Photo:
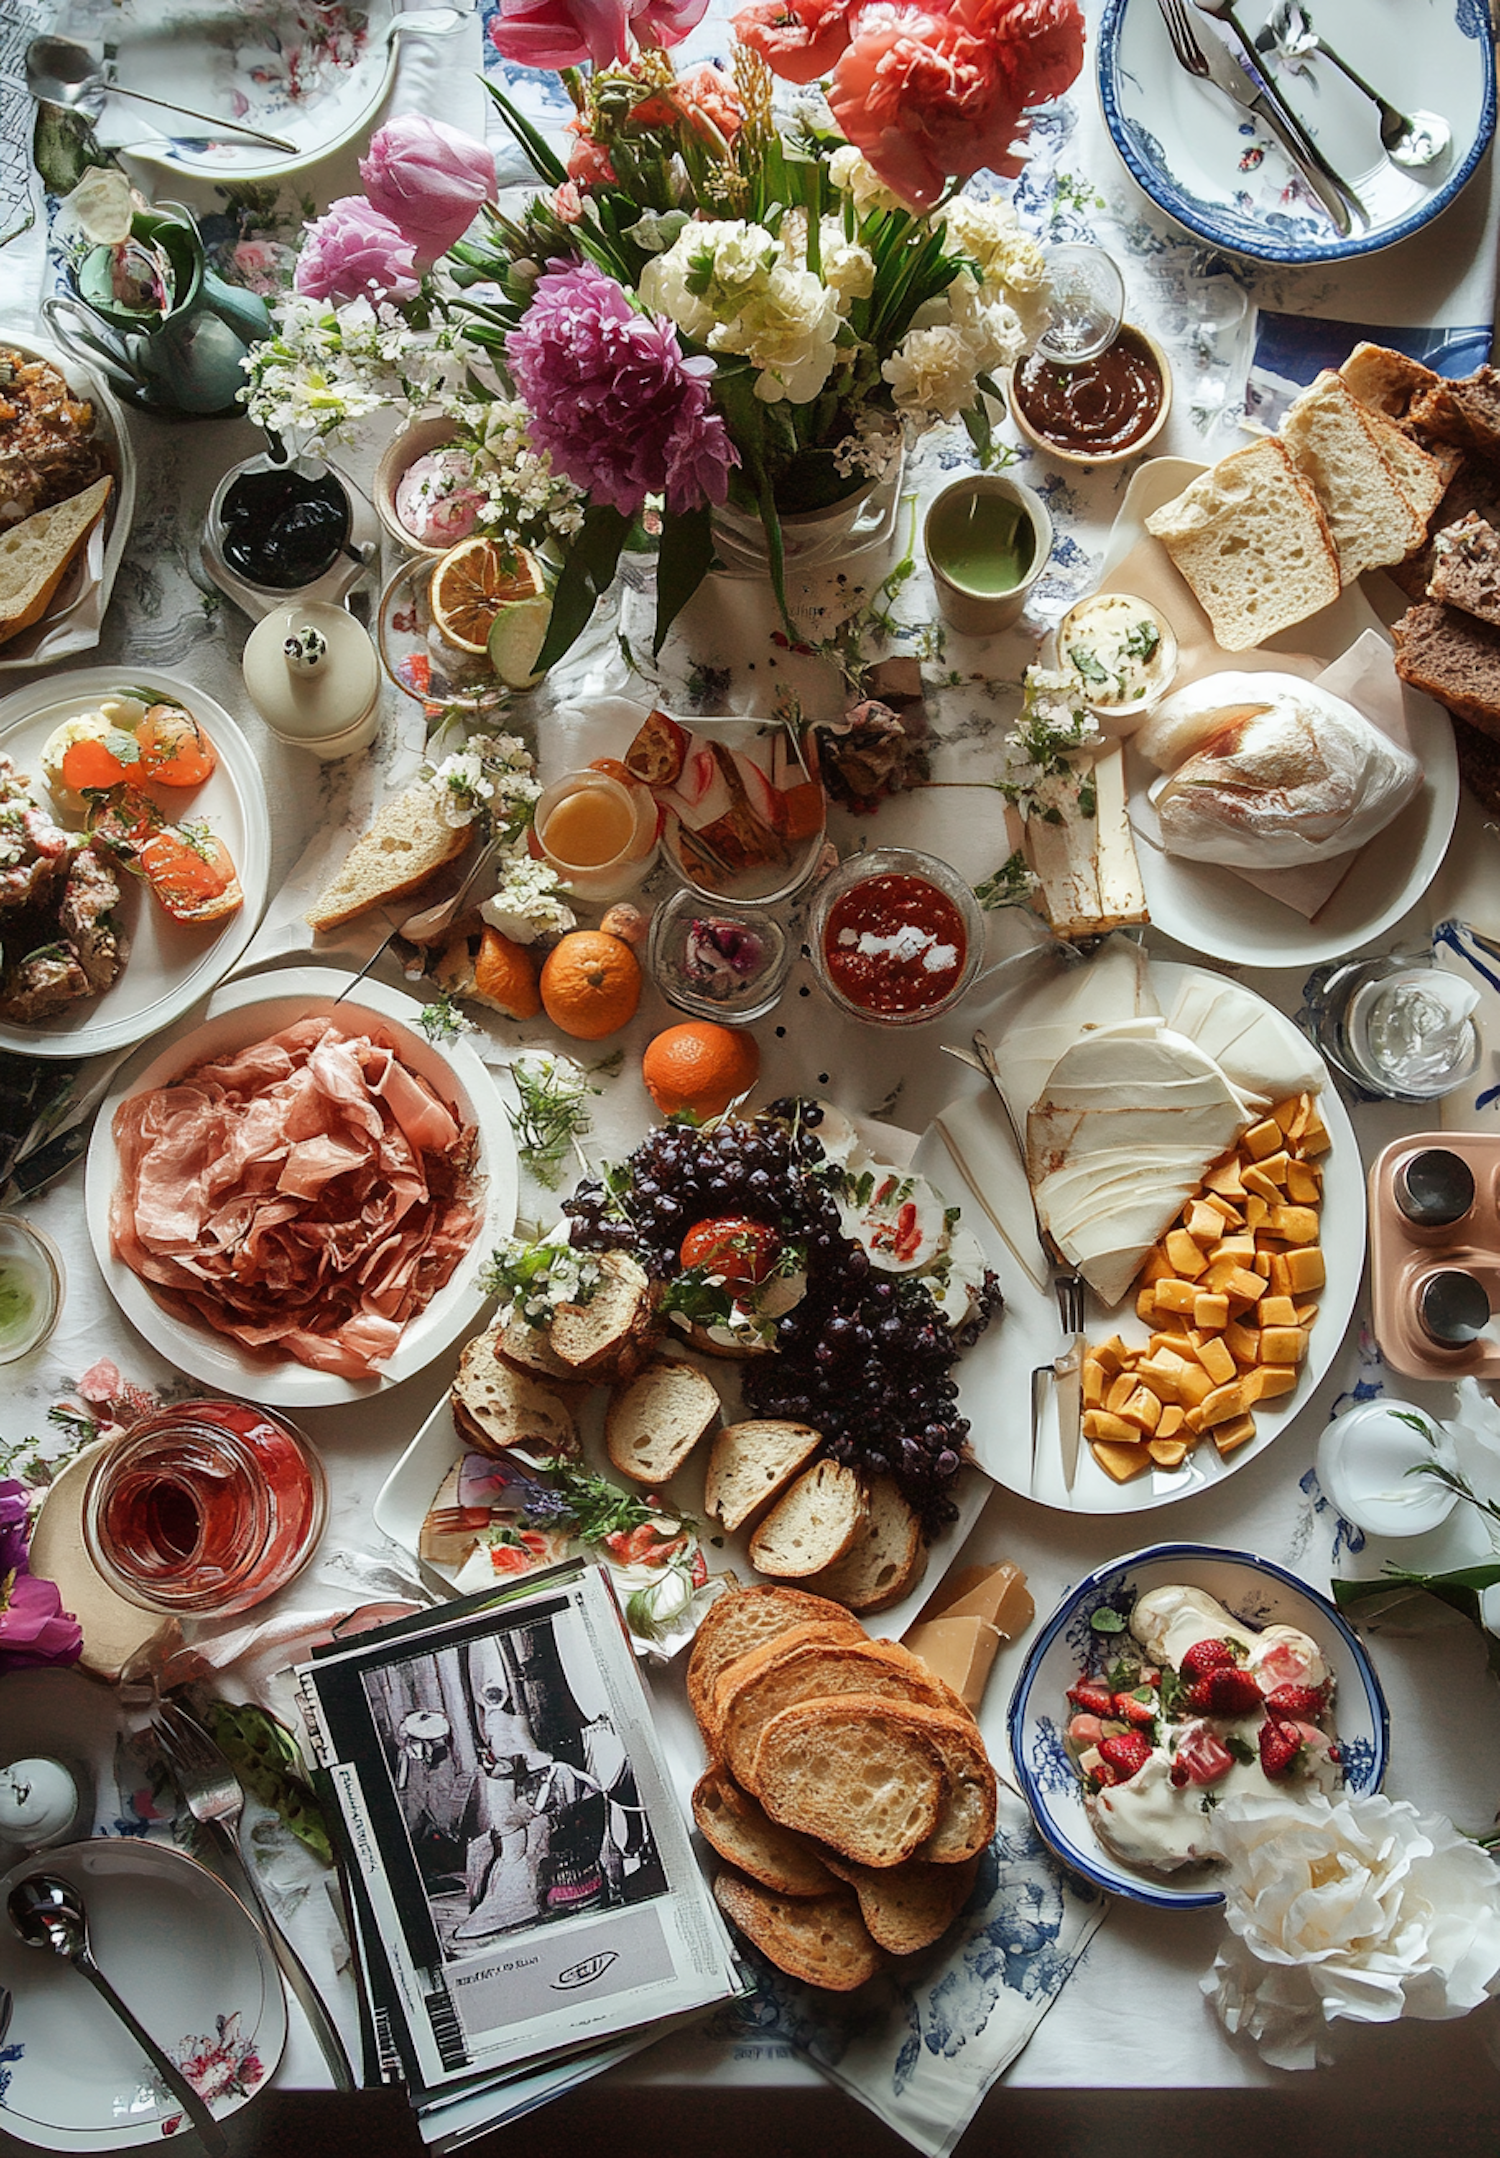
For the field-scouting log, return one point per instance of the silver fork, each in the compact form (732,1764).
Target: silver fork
(215,1797)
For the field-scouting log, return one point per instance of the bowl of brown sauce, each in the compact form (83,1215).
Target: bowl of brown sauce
(1099,412)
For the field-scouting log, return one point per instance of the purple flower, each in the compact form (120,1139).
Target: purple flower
(428,179)
(354,253)
(34,1629)
(611,394)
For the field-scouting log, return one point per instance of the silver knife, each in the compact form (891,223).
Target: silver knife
(1251,92)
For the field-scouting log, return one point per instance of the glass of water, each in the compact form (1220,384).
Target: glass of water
(1399,1027)
(1086,295)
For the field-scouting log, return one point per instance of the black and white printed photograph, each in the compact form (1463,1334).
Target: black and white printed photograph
(514,1784)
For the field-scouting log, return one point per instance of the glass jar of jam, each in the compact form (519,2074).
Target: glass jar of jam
(897,936)
(204,1509)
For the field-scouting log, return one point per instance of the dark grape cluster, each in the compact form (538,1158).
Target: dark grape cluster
(866,1359)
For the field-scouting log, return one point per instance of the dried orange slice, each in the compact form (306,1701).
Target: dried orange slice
(473,582)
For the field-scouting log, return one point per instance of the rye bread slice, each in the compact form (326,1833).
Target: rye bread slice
(608,1337)
(496,1406)
(1466,567)
(907,1908)
(739,1830)
(860,1773)
(653,1424)
(751,1464)
(758,1688)
(820,1939)
(739,1622)
(886,1559)
(1453,657)
(812,1524)
(1479,764)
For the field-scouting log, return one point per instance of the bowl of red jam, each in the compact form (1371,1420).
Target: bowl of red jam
(1099,412)
(896,937)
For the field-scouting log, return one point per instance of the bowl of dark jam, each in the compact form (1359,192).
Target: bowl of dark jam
(1100,411)
(280,527)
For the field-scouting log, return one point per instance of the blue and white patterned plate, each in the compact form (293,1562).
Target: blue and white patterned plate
(1214,168)
(1251,1589)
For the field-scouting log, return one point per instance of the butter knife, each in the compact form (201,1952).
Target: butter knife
(1255,96)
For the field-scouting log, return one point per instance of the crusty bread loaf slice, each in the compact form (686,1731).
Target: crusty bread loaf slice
(820,1939)
(1466,567)
(653,1424)
(1333,445)
(740,1621)
(739,1830)
(1454,657)
(607,1338)
(886,1559)
(497,1406)
(1465,411)
(528,1347)
(812,1523)
(1420,476)
(758,1687)
(816,1632)
(907,1908)
(859,1772)
(408,842)
(1388,382)
(751,1463)
(37,552)
(1251,540)
(971,1795)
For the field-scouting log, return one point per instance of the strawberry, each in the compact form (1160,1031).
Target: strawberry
(1303,1704)
(1201,1757)
(1280,1746)
(1093,1696)
(1128,1754)
(1140,1713)
(1102,1776)
(1227,1690)
(1206,1656)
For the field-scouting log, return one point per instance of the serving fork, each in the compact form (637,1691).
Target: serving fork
(215,1796)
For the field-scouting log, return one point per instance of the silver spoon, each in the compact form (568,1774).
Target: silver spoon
(1413,140)
(61,71)
(48,1912)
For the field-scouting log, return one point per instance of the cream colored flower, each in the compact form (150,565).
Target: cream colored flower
(931,373)
(987,232)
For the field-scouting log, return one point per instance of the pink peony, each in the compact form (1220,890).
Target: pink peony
(34,1628)
(353,253)
(429,180)
(565,33)
(704,100)
(799,40)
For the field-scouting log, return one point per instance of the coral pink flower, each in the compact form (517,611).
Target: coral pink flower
(565,33)
(567,203)
(353,253)
(799,40)
(707,94)
(588,161)
(429,180)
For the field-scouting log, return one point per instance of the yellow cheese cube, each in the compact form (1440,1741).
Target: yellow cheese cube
(1145,1305)
(1222,1404)
(1185,1255)
(1260,1186)
(1167,1453)
(1110,1355)
(1119,1391)
(1256,1211)
(1276,1311)
(1304,1270)
(1216,1280)
(1196,1384)
(1192,1420)
(1239,1246)
(1093,1383)
(1305,1313)
(1143,1409)
(1276,1379)
(1261,1264)
(1217,1361)
(1173,1337)
(1210,1312)
(1262,1139)
(1171,1421)
(1204,1223)
(1295,1224)
(1292,1111)
(1224,1178)
(1174,1295)
(1228,1436)
(1313,1138)
(1224,1208)
(1154,1267)
(1099,1424)
(1282,1344)
(1242,1342)
(1303,1183)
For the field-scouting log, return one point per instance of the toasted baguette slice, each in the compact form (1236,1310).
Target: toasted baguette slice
(497,1407)
(607,1338)
(408,842)
(775,1677)
(812,1524)
(820,1939)
(886,1559)
(751,1464)
(738,1829)
(1333,445)
(653,1424)
(742,1620)
(528,1348)
(908,1907)
(860,1773)
(814,1632)
(966,1818)
(1251,540)
(37,552)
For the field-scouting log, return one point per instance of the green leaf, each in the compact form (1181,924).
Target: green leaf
(977,426)
(1107,1620)
(687,549)
(587,573)
(544,161)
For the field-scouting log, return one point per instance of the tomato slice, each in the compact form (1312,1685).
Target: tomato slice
(174,749)
(92,763)
(734,1247)
(187,874)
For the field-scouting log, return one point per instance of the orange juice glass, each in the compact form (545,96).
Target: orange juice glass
(597,832)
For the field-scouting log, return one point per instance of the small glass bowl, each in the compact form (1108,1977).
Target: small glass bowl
(736,998)
(416,655)
(1161,673)
(32,1283)
(897,862)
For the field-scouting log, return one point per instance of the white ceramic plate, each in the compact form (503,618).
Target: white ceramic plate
(1210,909)
(311,74)
(193,1965)
(119,512)
(246,1012)
(1212,165)
(1250,1588)
(171,964)
(994,1378)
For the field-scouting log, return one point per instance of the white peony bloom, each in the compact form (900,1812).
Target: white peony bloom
(1348,1907)
(851,175)
(931,373)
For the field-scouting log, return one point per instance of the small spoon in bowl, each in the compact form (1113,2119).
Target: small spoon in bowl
(1413,140)
(62,71)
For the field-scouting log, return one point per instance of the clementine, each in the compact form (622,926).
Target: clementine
(505,976)
(700,1066)
(591,985)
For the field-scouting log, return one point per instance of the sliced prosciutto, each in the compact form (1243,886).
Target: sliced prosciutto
(308,1195)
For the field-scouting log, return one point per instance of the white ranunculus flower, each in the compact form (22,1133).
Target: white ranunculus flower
(931,373)
(1348,1907)
(851,175)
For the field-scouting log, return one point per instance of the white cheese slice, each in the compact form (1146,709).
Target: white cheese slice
(1036,1025)
(1259,1051)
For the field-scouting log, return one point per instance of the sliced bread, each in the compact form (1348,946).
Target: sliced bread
(529,1348)
(1251,540)
(607,1338)
(1387,382)
(739,1830)
(744,1619)
(1454,657)
(1420,476)
(653,1424)
(1334,446)
(812,1524)
(860,1773)
(971,1796)
(1465,411)
(37,552)
(758,1688)
(906,1908)
(820,1939)
(498,1407)
(886,1559)
(751,1463)
(1466,568)
(408,842)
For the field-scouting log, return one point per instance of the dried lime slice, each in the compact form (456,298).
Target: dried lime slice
(516,637)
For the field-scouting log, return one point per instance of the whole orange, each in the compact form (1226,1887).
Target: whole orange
(700,1066)
(591,985)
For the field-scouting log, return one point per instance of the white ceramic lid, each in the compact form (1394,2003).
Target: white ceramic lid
(311,702)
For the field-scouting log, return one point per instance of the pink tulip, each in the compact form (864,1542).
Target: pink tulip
(565,33)
(429,180)
(353,253)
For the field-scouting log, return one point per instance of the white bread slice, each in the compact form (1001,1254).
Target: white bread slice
(607,1337)
(908,1907)
(653,1424)
(37,553)
(859,1772)
(758,1688)
(1421,478)
(812,1524)
(737,1827)
(1386,381)
(1251,540)
(408,842)
(498,1407)
(1333,445)
(820,1939)
(886,1559)
(743,1620)
(751,1463)
(971,1795)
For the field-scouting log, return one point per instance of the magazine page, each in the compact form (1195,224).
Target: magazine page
(512,1831)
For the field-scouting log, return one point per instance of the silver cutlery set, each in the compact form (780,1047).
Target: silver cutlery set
(1414,140)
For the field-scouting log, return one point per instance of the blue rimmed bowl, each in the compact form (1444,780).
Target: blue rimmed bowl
(1253,1590)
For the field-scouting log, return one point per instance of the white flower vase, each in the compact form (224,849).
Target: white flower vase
(812,539)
